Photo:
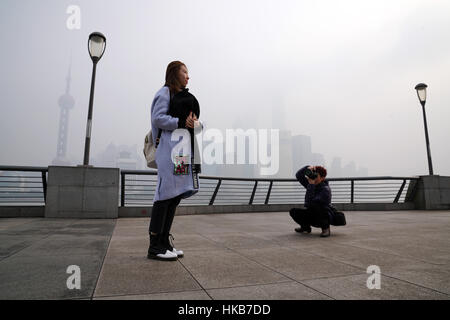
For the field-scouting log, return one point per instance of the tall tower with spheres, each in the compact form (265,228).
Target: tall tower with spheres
(65,102)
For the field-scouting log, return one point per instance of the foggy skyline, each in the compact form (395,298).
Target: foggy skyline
(344,74)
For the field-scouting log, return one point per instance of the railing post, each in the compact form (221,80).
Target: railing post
(253,193)
(352,191)
(400,192)
(122,189)
(268,192)
(44,185)
(215,192)
(410,193)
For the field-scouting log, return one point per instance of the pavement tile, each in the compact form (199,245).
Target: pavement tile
(38,226)
(87,227)
(241,240)
(231,256)
(64,245)
(359,257)
(355,288)
(196,242)
(13,243)
(224,268)
(132,274)
(291,238)
(435,277)
(45,277)
(279,291)
(6,223)
(406,248)
(183,295)
(298,264)
(131,231)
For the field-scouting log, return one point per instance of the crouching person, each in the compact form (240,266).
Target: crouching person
(318,211)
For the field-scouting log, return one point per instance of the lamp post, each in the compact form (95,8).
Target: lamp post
(422,95)
(96,47)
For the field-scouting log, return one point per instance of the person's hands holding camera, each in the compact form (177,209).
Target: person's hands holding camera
(313,181)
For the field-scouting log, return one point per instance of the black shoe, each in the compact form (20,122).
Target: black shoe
(325,233)
(303,230)
(159,252)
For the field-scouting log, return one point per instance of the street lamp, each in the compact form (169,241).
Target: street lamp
(96,47)
(422,95)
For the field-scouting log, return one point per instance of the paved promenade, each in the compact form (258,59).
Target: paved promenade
(229,256)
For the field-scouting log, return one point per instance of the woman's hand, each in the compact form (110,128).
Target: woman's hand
(190,120)
(196,122)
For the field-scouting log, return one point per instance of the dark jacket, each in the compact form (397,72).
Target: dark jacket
(316,195)
(181,105)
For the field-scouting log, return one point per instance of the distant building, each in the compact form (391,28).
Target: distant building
(335,169)
(317,159)
(294,153)
(125,161)
(286,150)
(301,151)
(234,169)
(122,156)
(65,102)
(349,170)
(286,158)
(363,172)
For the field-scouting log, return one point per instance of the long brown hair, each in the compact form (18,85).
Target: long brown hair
(172,80)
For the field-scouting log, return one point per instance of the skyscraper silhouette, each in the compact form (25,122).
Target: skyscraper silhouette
(65,102)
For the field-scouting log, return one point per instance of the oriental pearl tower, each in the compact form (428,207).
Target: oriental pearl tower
(65,102)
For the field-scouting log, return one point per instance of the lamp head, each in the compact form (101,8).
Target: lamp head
(96,46)
(422,92)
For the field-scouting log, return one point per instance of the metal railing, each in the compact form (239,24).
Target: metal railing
(23,185)
(28,186)
(138,187)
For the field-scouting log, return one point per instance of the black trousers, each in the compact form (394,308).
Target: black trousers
(316,216)
(163,213)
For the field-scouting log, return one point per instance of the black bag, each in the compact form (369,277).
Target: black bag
(338,218)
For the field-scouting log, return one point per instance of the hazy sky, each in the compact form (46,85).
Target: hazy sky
(343,71)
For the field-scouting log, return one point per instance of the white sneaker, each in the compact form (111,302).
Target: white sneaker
(167,256)
(179,253)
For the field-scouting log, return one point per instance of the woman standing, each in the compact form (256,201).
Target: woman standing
(176,180)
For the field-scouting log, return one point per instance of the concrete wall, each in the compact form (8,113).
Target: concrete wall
(39,211)
(22,212)
(431,193)
(190,210)
(82,192)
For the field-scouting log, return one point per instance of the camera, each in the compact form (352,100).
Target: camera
(312,174)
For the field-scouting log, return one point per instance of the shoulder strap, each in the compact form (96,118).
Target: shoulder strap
(159,129)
